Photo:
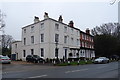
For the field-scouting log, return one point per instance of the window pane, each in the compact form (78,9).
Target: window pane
(42,52)
(56,26)
(32,39)
(32,51)
(24,41)
(56,52)
(32,28)
(42,25)
(42,37)
(65,39)
(24,53)
(65,29)
(56,37)
(24,30)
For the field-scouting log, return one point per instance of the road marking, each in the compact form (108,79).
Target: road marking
(38,76)
(76,70)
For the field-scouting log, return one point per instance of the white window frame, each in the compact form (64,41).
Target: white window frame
(32,39)
(65,29)
(42,37)
(56,37)
(42,25)
(42,52)
(57,26)
(32,28)
(24,30)
(65,39)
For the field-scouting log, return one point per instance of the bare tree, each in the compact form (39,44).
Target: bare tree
(108,28)
(6,41)
(2,25)
(6,44)
(117,31)
(2,22)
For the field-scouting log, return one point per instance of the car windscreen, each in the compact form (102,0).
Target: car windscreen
(102,58)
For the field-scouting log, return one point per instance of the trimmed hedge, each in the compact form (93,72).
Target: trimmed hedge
(75,63)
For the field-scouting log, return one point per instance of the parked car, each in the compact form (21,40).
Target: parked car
(5,59)
(101,60)
(34,59)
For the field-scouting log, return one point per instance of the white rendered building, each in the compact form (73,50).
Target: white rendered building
(50,39)
(17,50)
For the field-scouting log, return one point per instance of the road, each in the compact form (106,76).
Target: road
(109,70)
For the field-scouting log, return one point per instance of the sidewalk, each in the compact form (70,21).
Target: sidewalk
(20,62)
(24,62)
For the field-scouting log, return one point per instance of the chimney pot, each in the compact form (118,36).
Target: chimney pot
(71,24)
(36,19)
(60,18)
(46,15)
(87,31)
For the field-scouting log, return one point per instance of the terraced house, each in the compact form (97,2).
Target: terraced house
(50,38)
(86,44)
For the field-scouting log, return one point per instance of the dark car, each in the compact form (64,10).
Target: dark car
(34,59)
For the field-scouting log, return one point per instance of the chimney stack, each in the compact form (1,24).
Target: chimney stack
(36,19)
(87,31)
(46,15)
(71,24)
(60,19)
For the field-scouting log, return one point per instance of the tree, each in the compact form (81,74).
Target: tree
(108,28)
(2,25)
(6,44)
(105,45)
(2,22)
(107,39)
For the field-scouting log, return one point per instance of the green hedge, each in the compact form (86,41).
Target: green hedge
(75,63)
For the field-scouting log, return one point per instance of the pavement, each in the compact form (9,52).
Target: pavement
(20,62)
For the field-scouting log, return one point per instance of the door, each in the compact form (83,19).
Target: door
(65,53)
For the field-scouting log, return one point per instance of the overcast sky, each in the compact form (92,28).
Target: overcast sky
(84,14)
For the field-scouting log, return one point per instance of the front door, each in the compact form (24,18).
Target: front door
(65,53)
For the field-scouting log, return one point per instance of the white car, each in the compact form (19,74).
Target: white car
(101,60)
(5,59)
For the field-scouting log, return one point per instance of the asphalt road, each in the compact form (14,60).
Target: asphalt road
(32,71)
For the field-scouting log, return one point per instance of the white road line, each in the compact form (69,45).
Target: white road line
(76,70)
(38,76)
